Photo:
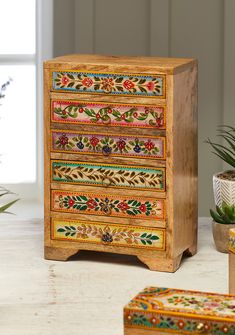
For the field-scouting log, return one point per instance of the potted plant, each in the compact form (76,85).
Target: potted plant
(223,220)
(224,182)
(4,191)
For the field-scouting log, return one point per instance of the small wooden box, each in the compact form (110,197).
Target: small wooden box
(171,311)
(232,261)
(121,157)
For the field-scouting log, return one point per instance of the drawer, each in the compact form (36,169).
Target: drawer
(108,205)
(108,114)
(108,234)
(113,145)
(109,83)
(108,175)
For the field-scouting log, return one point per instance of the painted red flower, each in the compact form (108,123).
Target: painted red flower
(110,110)
(128,84)
(159,121)
(149,145)
(123,206)
(121,144)
(143,208)
(71,202)
(135,114)
(94,141)
(91,204)
(81,110)
(154,320)
(181,324)
(225,329)
(98,116)
(150,86)
(64,80)
(87,82)
(63,139)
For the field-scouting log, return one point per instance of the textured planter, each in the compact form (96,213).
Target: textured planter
(221,235)
(224,189)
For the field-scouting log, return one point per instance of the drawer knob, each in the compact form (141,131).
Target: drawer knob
(107,181)
(107,238)
(106,150)
(202,328)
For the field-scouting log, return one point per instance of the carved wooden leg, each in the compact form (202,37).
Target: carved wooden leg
(191,251)
(232,273)
(157,264)
(59,254)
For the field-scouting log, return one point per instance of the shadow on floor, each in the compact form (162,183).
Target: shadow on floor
(105,257)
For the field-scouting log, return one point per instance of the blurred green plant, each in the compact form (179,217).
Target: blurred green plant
(224,215)
(227,151)
(4,191)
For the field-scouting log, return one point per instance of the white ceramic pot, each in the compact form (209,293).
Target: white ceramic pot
(224,190)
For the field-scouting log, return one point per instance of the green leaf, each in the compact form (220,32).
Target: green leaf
(70,76)
(5,207)
(61,230)
(154,238)
(143,235)
(216,217)
(83,208)
(130,212)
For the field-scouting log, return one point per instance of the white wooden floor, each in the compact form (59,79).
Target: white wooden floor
(84,296)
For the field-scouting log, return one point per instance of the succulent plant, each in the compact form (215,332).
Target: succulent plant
(227,151)
(224,215)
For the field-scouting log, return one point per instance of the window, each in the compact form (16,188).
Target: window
(26,40)
(18,110)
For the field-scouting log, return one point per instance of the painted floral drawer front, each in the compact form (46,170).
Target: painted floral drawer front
(108,234)
(108,175)
(181,311)
(81,112)
(103,204)
(111,83)
(108,145)
(232,240)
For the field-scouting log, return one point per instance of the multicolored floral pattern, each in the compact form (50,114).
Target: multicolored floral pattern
(118,84)
(152,308)
(103,144)
(177,324)
(109,175)
(80,112)
(232,240)
(96,204)
(109,234)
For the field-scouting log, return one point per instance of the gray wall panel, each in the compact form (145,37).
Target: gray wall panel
(177,28)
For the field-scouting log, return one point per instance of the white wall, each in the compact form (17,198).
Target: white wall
(177,28)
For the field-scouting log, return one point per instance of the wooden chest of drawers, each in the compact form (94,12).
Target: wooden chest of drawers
(121,157)
(158,310)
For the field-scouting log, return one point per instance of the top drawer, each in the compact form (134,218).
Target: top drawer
(109,83)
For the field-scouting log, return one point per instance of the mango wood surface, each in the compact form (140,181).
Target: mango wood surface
(124,64)
(180,163)
(231,273)
(182,169)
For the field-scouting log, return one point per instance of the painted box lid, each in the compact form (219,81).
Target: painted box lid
(232,240)
(180,312)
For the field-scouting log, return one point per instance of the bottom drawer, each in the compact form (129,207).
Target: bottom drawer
(109,234)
